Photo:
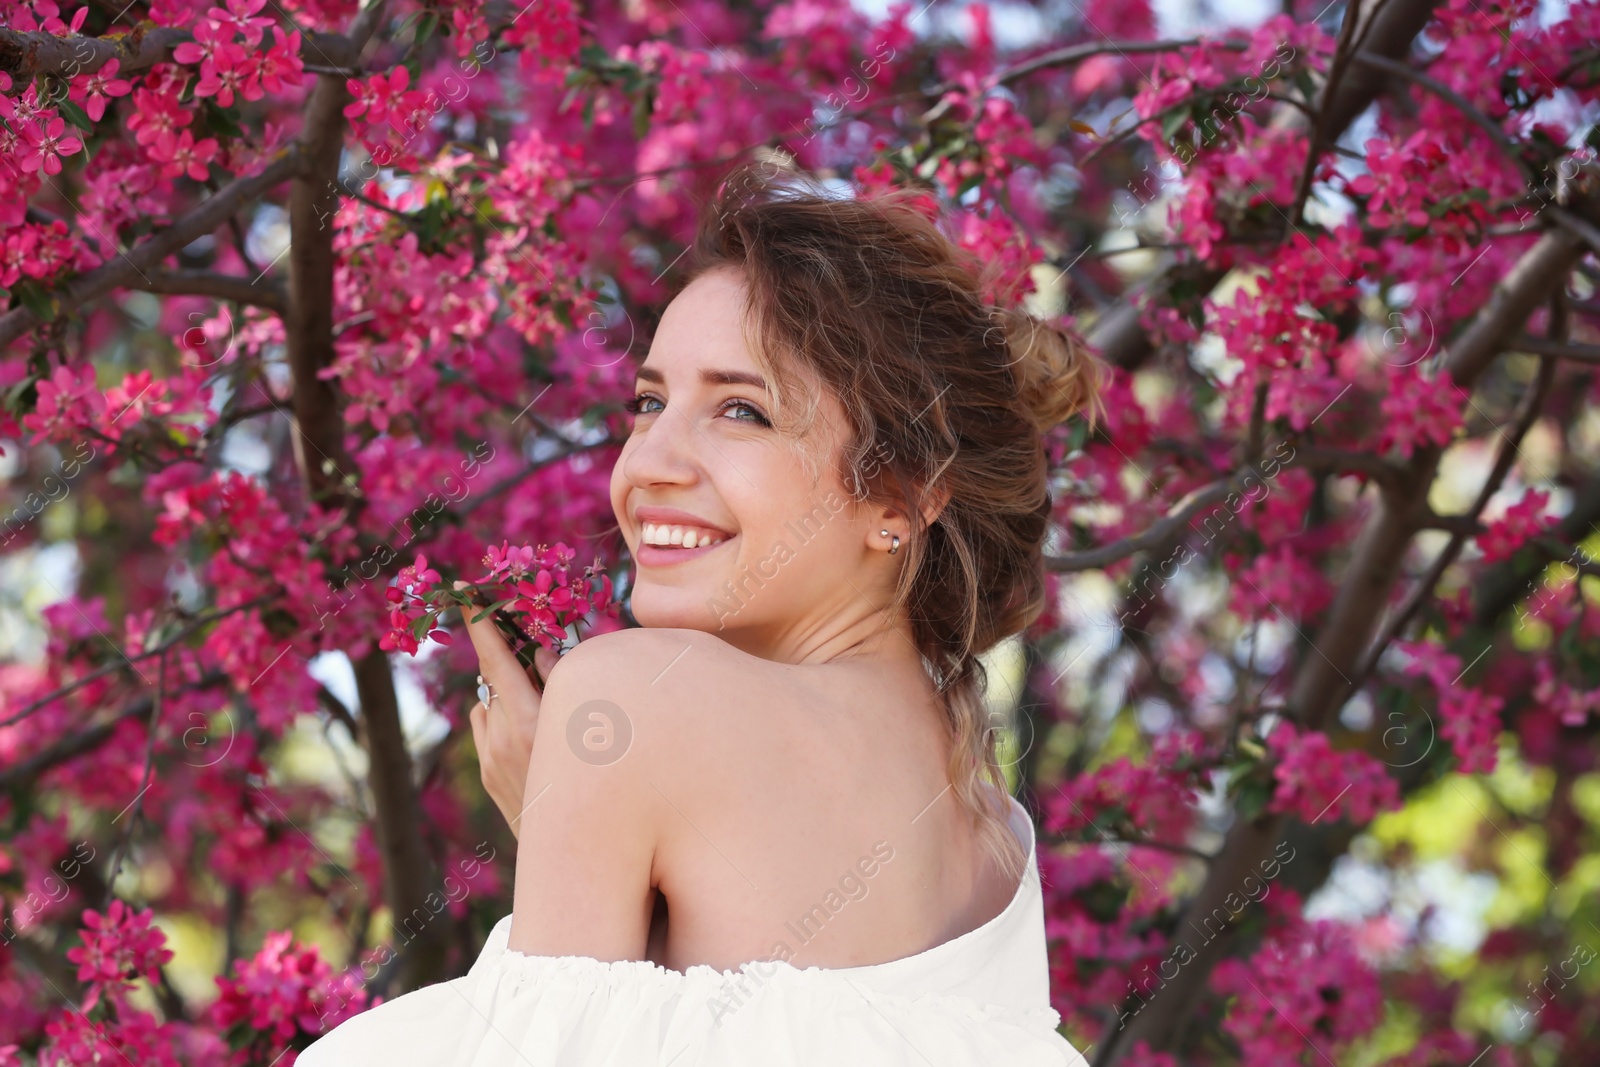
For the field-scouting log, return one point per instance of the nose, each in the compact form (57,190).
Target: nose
(664,453)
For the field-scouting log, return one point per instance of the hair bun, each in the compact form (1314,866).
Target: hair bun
(1056,373)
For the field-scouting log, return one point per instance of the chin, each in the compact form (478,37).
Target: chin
(677,607)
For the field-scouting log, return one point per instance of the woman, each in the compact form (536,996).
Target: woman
(767,825)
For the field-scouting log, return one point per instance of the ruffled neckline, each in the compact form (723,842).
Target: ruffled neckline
(1020,824)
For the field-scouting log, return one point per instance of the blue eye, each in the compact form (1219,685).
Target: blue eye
(634,404)
(760,419)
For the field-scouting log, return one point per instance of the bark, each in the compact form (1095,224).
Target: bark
(328,474)
(220,286)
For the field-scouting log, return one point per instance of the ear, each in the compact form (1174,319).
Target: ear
(894,517)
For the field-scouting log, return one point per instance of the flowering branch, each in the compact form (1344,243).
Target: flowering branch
(1489,126)
(122,270)
(1321,683)
(26,56)
(1158,534)
(1528,412)
(128,661)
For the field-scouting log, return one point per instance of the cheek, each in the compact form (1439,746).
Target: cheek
(619,489)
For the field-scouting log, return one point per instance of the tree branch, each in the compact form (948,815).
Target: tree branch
(335,707)
(210,283)
(1157,534)
(22,775)
(1496,133)
(1532,404)
(1118,335)
(128,661)
(1582,227)
(138,264)
(1544,346)
(328,474)
(26,56)
(1320,685)
(1336,69)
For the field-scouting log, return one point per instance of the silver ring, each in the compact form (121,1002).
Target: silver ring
(485,692)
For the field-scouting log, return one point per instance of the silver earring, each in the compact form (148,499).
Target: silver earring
(896,546)
(485,691)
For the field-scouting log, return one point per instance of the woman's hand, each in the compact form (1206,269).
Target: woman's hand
(503,732)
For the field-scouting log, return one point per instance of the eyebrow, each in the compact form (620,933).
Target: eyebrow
(709,377)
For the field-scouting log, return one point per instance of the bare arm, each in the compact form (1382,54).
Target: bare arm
(589,825)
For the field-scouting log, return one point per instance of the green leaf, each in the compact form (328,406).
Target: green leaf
(1303,82)
(224,121)
(40,301)
(1254,796)
(1173,121)
(75,115)
(492,608)
(425,27)
(1104,900)
(642,107)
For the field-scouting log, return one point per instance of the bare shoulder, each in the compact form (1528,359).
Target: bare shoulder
(673,690)
(626,660)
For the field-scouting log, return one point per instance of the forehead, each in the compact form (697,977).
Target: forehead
(709,309)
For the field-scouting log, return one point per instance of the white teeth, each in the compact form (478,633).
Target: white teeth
(684,536)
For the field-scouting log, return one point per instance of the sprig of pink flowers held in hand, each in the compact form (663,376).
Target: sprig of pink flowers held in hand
(533,594)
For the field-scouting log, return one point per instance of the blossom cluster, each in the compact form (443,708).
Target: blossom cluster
(536,587)
(1314,782)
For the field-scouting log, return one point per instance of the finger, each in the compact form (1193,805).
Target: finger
(477,716)
(544,661)
(493,652)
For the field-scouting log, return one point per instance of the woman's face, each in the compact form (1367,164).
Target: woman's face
(784,563)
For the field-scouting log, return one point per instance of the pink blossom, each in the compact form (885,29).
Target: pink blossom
(68,399)
(156,117)
(93,91)
(119,945)
(184,156)
(208,38)
(1314,782)
(1306,983)
(376,96)
(1419,410)
(1522,521)
(46,144)
(285,992)
(239,16)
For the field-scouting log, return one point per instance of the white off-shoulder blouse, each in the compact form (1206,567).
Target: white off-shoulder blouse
(978,1000)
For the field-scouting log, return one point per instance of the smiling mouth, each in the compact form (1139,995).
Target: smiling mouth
(666,536)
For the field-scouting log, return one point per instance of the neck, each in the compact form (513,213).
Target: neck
(875,637)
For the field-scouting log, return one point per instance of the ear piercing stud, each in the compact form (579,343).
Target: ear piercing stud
(895,547)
